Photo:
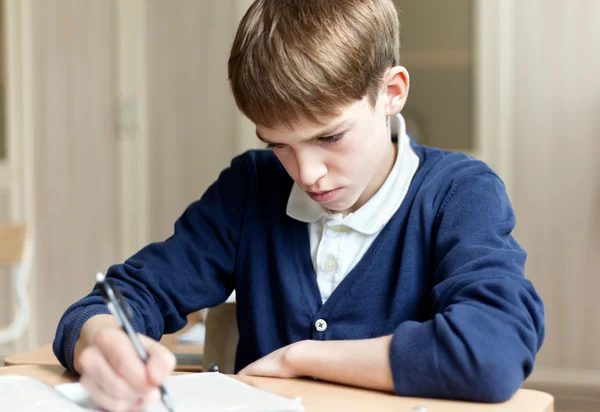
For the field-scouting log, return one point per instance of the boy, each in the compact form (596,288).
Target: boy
(357,255)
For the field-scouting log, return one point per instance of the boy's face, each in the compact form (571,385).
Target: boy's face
(341,165)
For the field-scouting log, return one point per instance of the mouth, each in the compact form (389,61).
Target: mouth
(324,196)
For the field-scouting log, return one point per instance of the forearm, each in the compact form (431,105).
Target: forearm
(363,363)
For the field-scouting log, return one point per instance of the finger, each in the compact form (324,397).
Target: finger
(101,399)
(95,369)
(151,398)
(120,353)
(161,361)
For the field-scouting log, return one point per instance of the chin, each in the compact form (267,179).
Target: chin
(339,206)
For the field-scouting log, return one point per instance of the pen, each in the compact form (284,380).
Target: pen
(119,308)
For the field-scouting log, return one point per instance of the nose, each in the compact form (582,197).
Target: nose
(310,168)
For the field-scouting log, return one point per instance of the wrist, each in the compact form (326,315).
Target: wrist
(298,356)
(88,333)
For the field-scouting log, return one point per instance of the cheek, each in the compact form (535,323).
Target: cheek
(361,160)
(347,162)
(359,155)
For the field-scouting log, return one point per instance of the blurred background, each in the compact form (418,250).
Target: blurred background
(116,114)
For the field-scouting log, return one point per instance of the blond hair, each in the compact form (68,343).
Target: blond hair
(294,59)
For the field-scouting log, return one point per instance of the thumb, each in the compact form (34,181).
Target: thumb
(161,362)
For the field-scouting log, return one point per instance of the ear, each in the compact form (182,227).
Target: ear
(396,84)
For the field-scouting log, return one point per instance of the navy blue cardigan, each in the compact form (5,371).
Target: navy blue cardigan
(444,277)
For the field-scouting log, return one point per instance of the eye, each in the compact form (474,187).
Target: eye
(274,146)
(332,139)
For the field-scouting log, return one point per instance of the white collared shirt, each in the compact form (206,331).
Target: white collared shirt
(337,243)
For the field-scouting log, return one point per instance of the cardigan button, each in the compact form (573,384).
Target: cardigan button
(320,325)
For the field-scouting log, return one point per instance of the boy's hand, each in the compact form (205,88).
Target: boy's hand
(279,364)
(112,372)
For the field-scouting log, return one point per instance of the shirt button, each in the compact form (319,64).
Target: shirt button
(330,265)
(320,325)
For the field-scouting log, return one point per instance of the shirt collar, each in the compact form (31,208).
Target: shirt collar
(377,211)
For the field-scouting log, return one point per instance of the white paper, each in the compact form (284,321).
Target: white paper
(24,394)
(207,392)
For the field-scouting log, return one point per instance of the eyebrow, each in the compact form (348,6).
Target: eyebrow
(329,131)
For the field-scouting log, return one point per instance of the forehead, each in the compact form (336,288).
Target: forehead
(304,129)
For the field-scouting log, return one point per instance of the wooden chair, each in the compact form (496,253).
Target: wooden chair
(221,338)
(16,251)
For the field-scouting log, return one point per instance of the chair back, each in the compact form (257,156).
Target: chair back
(221,339)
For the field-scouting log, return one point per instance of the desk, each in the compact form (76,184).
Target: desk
(45,356)
(321,397)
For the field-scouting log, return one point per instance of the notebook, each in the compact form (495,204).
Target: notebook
(209,392)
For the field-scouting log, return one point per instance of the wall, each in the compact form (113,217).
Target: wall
(79,165)
(556,184)
(6,299)
(73,143)
(555,181)
(192,115)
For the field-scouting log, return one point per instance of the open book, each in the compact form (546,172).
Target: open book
(208,392)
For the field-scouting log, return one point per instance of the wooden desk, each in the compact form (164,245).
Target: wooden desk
(44,355)
(39,356)
(319,396)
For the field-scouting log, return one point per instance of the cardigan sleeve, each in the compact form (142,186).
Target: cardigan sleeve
(487,321)
(165,281)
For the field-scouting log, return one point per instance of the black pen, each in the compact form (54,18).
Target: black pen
(119,308)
